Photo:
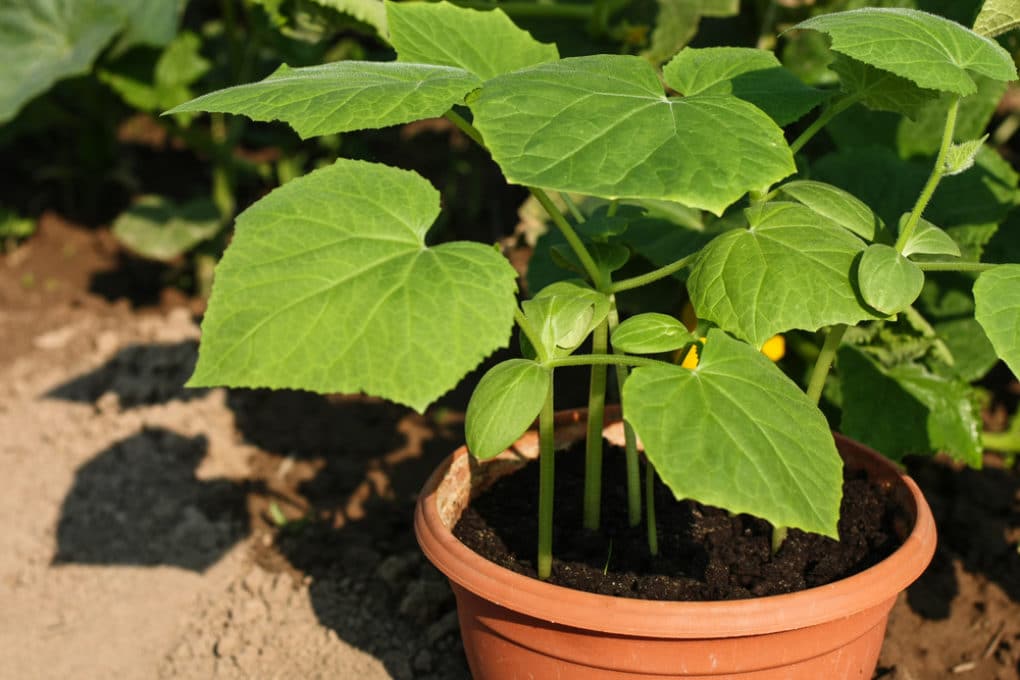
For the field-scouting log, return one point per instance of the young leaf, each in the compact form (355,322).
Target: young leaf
(737,433)
(832,203)
(650,333)
(505,403)
(343,96)
(753,75)
(705,151)
(929,240)
(44,41)
(997,299)
(889,282)
(961,156)
(157,228)
(565,313)
(919,412)
(485,43)
(744,280)
(932,51)
(180,65)
(881,90)
(334,264)
(997,17)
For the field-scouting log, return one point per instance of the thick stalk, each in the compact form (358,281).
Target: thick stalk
(575,212)
(630,439)
(593,443)
(955,266)
(653,530)
(933,180)
(546,484)
(607,359)
(824,362)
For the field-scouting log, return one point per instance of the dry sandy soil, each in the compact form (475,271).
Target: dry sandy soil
(156,532)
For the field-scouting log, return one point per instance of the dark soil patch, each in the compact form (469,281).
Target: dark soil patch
(705,553)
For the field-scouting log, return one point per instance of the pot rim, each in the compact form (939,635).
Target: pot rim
(870,588)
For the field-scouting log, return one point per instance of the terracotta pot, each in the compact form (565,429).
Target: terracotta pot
(515,627)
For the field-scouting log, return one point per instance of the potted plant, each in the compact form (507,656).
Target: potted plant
(331,285)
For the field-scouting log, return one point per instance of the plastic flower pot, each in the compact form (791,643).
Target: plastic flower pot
(518,627)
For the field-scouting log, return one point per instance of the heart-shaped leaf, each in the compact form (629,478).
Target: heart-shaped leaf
(928,239)
(705,151)
(753,75)
(881,90)
(737,433)
(564,314)
(889,281)
(343,96)
(328,286)
(997,299)
(484,43)
(834,204)
(997,17)
(744,280)
(930,50)
(505,403)
(650,333)
(158,228)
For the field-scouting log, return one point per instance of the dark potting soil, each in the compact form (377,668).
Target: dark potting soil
(705,553)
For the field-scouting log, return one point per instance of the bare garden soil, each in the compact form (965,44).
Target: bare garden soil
(157,532)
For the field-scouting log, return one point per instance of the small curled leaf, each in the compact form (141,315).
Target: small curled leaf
(650,333)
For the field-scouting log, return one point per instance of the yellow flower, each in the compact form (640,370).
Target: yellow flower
(774,348)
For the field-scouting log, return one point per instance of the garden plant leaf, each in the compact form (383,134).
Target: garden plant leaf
(650,333)
(744,280)
(889,282)
(486,43)
(371,12)
(564,314)
(607,129)
(737,433)
(881,90)
(932,51)
(997,17)
(503,406)
(328,286)
(997,299)
(159,229)
(343,96)
(834,204)
(928,239)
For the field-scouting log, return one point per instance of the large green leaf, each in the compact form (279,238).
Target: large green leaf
(505,403)
(158,228)
(792,269)
(889,282)
(997,299)
(834,204)
(371,12)
(328,286)
(484,43)
(932,51)
(907,410)
(343,96)
(997,16)
(603,126)
(737,433)
(881,90)
(43,41)
(753,75)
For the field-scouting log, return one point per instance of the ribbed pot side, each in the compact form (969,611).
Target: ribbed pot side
(515,628)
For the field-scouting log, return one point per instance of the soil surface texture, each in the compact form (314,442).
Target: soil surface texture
(157,532)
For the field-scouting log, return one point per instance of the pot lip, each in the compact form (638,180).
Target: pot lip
(870,588)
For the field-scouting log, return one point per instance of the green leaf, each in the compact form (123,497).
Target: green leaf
(753,75)
(180,65)
(371,12)
(43,41)
(997,17)
(13,225)
(151,22)
(602,126)
(889,282)
(343,96)
(929,240)
(973,354)
(961,156)
(923,135)
(834,204)
(328,286)
(997,299)
(159,229)
(907,410)
(503,406)
(790,270)
(650,333)
(600,227)
(485,43)
(932,51)
(984,194)
(675,25)
(881,90)
(889,187)
(564,314)
(737,433)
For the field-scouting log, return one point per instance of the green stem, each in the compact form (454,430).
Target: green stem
(834,109)
(531,333)
(570,235)
(593,443)
(778,536)
(465,127)
(607,359)
(1004,442)
(575,212)
(933,180)
(653,531)
(654,275)
(955,266)
(766,34)
(630,439)
(824,362)
(546,484)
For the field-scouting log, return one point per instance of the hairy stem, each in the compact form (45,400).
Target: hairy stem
(955,266)
(467,128)
(608,359)
(593,443)
(654,275)
(546,484)
(933,180)
(834,109)
(572,238)
(824,362)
